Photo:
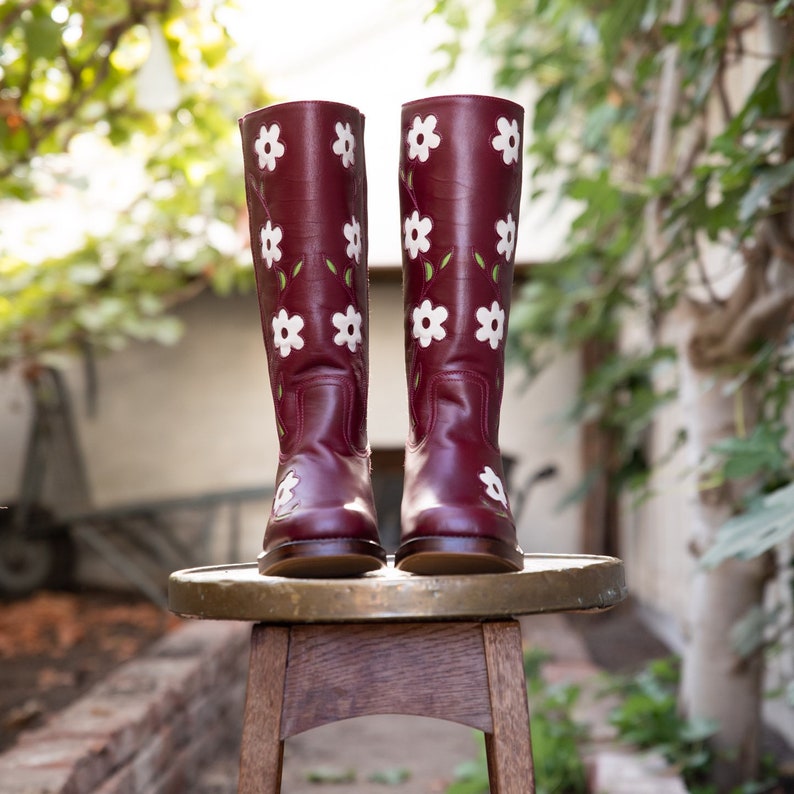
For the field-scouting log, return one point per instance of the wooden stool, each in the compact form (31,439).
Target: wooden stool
(391,643)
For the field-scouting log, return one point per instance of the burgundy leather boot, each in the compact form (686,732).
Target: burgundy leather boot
(460,185)
(306,191)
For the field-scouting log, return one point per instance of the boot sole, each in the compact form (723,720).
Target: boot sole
(444,556)
(322,559)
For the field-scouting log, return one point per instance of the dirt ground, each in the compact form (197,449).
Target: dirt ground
(55,645)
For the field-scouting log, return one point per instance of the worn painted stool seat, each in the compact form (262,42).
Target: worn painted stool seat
(391,643)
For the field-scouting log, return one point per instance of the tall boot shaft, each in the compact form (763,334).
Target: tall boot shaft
(460,188)
(306,190)
(306,193)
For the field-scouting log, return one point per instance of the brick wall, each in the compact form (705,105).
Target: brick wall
(148,728)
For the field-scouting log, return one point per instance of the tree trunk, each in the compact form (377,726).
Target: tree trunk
(718,684)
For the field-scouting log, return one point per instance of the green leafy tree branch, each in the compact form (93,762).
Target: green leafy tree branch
(72,72)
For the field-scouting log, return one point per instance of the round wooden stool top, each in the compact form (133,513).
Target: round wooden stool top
(548,583)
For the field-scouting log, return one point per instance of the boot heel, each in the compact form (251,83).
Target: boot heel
(442,556)
(322,559)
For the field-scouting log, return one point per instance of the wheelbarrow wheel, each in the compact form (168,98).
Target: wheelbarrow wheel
(31,560)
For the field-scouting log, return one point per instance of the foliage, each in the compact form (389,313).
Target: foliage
(647,717)
(556,738)
(72,77)
(768,523)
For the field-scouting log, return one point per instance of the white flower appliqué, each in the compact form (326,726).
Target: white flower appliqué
(285,491)
(352,232)
(422,137)
(286,332)
(416,231)
(508,140)
(506,229)
(429,323)
(493,485)
(270,236)
(492,324)
(268,147)
(349,327)
(345,144)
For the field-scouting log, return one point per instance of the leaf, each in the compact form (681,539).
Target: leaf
(282,279)
(86,274)
(101,314)
(445,260)
(391,777)
(349,276)
(428,271)
(781,7)
(297,268)
(769,182)
(480,261)
(331,266)
(410,180)
(495,273)
(767,523)
(471,777)
(748,633)
(330,774)
(699,729)
(166,330)
(43,37)
(759,452)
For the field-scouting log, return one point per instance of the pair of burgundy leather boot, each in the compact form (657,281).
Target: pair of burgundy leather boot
(460,185)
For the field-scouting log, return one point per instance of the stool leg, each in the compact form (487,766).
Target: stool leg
(262,749)
(509,747)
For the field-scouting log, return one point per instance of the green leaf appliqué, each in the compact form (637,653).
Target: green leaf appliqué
(331,266)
